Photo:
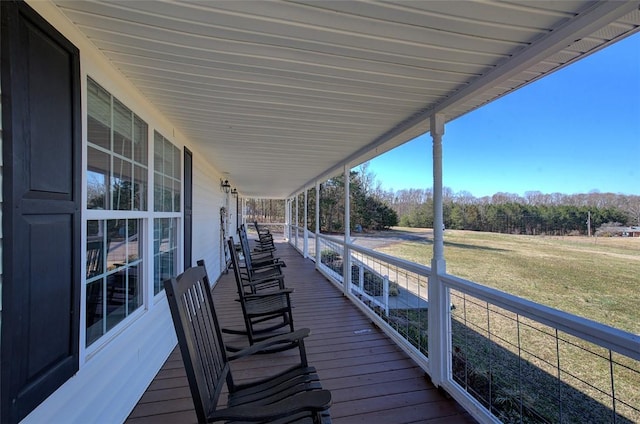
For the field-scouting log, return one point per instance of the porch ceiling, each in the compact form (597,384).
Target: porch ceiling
(276,94)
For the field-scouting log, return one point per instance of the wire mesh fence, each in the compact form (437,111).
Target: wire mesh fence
(524,371)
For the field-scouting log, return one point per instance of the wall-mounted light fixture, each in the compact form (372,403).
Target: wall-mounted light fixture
(225,186)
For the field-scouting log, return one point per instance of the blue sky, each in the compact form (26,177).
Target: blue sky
(575,131)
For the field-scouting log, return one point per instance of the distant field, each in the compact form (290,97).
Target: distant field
(597,278)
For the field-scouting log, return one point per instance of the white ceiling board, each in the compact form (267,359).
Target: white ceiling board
(278,94)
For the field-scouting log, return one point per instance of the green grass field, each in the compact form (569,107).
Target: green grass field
(597,278)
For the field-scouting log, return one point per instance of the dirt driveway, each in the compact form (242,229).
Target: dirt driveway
(376,239)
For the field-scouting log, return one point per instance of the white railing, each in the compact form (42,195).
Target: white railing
(551,366)
(509,359)
(302,239)
(390,290)
(311,245)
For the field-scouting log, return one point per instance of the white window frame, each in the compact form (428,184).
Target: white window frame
(146,230)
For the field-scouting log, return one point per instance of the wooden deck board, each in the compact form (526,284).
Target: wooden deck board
(371,379)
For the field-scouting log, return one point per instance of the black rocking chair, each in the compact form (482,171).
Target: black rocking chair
(291,396)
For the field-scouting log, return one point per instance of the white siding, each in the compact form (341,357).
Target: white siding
(207,201)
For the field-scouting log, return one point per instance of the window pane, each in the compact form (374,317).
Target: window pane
(157,192)
(157,278)
(95,310)
(140,134)
(115,298)
(115,128)
(116,243)
(122,184)
(134,248)
(167,158)
(165,251)
(116,290)
(176,163)
(176,196)
(167,195)
(158,152)
(134,290)
(122,129)
(98,133)
(99,115)
(140,188)
(95,249)
(167,175)
(98,174)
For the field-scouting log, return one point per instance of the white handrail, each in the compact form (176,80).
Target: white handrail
(393,260)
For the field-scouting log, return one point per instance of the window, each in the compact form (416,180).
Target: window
(116,154)
(114,268)
(165,251)
(166,195)
(117,191)
(120,210)
(166,175)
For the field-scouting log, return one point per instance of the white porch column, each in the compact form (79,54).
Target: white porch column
(289,226)
(296,222)
(305,248)
(244,211)
(346,256)
(287,219)
(317,217)
(439,319)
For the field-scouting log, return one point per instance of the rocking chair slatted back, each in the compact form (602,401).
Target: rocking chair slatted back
(291,395)
(199,338)
(272,306)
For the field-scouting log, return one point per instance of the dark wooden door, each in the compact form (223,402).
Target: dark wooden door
(41,210)
(188,207)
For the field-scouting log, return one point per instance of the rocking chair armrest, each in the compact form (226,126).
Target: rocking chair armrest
(268,294)
(311,401)
(266,267)
(294,336)
(256,280)
(263,256)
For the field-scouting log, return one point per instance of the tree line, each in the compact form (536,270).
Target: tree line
(368,211)
(372,208)
(535,213)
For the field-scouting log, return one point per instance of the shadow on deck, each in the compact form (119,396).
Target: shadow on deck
(371,379)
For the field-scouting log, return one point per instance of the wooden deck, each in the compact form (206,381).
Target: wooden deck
(370,378)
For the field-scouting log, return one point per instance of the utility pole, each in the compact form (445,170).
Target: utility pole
(589,224)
